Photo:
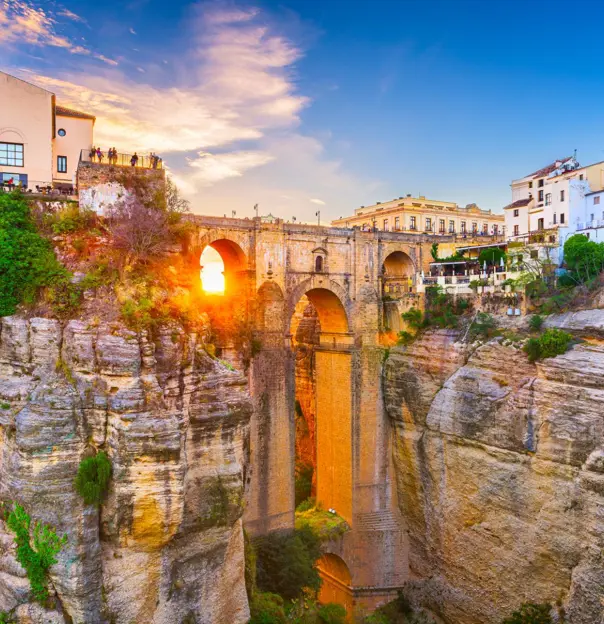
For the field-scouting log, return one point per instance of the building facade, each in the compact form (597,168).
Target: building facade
(547,204)
(588,217)
(40,142)
(418,215)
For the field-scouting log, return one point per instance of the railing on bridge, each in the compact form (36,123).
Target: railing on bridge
(118,159)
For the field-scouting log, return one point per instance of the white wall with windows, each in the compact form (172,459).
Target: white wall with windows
(25,132)
(72,135)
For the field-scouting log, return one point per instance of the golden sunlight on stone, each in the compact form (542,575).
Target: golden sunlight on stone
(212,272)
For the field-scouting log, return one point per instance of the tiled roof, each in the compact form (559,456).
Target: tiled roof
(69,112)
(547,170)
(519,203)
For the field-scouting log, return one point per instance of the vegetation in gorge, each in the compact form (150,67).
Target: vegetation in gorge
(398,611)
(325,524)
(551,343)
(531,613)
(37,548)
(93,477)
(282,580)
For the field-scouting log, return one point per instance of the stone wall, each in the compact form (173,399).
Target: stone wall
(91,175)
(167,544)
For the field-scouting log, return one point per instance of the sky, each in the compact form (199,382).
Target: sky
(324,105)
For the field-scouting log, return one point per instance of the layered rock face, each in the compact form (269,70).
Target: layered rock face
(500,475)
(167,544)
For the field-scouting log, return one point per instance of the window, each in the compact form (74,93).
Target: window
(397,223)
(548,199)
(463,227)
(516,212)
(530,185)
(428,224)
(62,164)
(534,254)
(561,196)
(412,226)
(11,154)
(451,227)
(540,223)
(591,217)
(562,218)
(596,200)
(540,183)
(581,177)
(61,132)
(495,229)
(319,264)
(485,228)
(441,225)
(540,195)
(516,230)
(555,219)
(474,227)
(385,225)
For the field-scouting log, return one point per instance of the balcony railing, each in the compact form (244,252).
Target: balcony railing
(122,160)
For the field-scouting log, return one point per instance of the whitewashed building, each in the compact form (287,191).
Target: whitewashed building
(40,141)
(548,203)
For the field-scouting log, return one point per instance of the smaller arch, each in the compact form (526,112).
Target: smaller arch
(337,581)
(19,133)
(330,310)
(269,307)
(398,264)
(232,255)
(319,264)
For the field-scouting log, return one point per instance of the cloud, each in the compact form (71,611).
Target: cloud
(23,23)
(132,31)
(223,111)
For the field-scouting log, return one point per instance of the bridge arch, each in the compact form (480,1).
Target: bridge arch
(234,260)
(398,264)
(337,581)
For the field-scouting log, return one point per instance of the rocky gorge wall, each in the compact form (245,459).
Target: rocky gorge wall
(167,544)
(500,473)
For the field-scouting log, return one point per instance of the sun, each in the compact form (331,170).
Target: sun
(212,272)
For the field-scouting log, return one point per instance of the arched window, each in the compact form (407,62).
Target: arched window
(319,264)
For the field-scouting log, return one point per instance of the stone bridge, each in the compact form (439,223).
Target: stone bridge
(288,273)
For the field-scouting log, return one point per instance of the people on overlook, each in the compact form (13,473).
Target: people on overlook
(134,160)
(99,154)
(92,154)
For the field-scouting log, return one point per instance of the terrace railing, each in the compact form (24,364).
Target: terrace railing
(122,160)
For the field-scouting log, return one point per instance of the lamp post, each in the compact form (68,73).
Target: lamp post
(318,215)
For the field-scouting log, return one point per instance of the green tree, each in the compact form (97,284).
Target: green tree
(286,562)
(585,258)
(27,261)
(491,256)
(531,613)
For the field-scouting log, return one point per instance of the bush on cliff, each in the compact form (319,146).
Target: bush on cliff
(551,343)
(92,479)
(37,548)
(286,562)
(267,608)
(28,263)
(531,613)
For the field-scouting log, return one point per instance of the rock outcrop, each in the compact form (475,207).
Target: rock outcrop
(500,475)
(167,544)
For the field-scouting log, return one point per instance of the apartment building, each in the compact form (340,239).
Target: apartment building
(548,203)
(40,141)
(420,215)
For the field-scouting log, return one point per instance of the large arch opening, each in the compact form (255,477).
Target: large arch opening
(336,586)
(323,460)
(224,282)
(398,282)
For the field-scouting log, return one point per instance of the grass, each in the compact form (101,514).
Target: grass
(325,524)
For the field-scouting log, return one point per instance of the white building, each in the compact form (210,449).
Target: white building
(588,218)
(546,202)
(40,142)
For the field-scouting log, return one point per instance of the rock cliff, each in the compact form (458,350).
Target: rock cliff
(167,544)
(500,474)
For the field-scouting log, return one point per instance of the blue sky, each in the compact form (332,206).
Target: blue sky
(307,104)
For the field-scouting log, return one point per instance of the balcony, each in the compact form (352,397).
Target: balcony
(121,160)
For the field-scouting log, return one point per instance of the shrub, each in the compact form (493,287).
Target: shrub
(324,524)
(535,322)
(27,261)
(405,338)
(306,505)
(93,477)
(286,562)
(249,553)
(72,219)
(332,613)
(37,548)
(303,481)
(413,317)
(484,326)
(531,613)
(267,608)
(551,343)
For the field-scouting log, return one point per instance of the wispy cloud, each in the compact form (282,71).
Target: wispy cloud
(25,23)
(132,31)
(319,202)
